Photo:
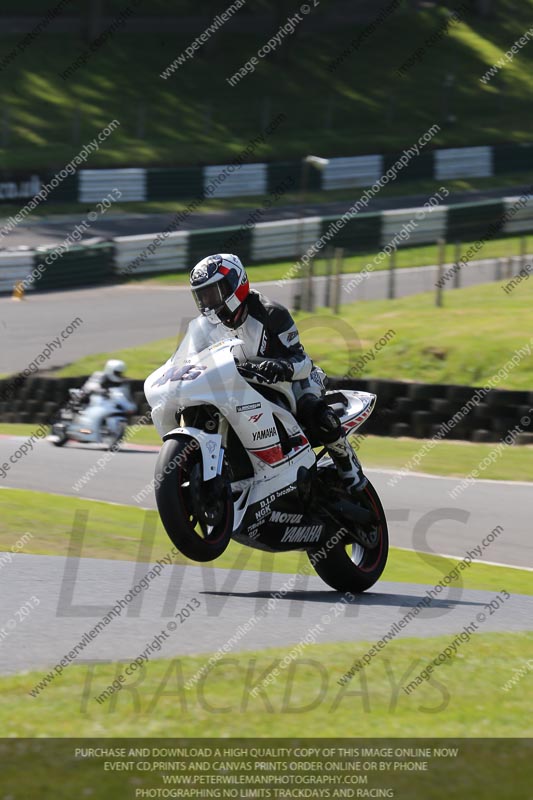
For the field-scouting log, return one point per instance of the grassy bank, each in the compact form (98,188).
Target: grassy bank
(195,115)
(428,344)
(463,698)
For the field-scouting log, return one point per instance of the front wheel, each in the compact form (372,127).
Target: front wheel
(348,566)
(196,514)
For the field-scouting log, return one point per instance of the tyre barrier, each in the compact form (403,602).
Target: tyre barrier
(416,410)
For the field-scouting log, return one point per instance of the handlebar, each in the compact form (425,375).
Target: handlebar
(247,370)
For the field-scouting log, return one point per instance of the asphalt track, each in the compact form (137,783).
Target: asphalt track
(52,230)
(130,315)
(74,596)
(421,514)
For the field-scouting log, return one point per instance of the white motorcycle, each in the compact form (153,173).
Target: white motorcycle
(102,421)
(235,464)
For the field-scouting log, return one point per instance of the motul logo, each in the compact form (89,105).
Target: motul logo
(298,534)
(278,516)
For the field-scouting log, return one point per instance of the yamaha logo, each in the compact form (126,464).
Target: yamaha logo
(311,533)
(266,433)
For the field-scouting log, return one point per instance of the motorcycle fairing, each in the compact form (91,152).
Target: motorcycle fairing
(210,378)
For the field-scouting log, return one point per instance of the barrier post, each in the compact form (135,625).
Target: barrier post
(457,273)
(440,267)
(339,255)
(310,278)
(392,275)
(18,291)
(329,271)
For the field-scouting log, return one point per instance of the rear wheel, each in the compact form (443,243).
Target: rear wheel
(196,514)
(59,432)
(348,566)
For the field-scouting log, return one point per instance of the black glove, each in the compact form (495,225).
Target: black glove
(274,370)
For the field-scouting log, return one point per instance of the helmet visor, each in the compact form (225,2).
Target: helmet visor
(212,297)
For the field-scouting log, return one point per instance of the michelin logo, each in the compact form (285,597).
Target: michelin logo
(249,407)
(311,533)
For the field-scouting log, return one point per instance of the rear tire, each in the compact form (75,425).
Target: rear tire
(351,567)
(180,494)
(62,437)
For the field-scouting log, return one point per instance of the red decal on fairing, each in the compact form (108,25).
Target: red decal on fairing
(270,455)
(357,421)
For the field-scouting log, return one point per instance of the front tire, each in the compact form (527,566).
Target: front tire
(197,515)
(350,567)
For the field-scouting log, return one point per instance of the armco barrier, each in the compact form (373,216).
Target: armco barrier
(96,261)
(463,162)
(258,178)
(284,238)
(228,180)
(15,266)
(522,217)
(95,184)
(468,222)
(429,228)
(360,234)
(403,409)
(83,265)
(174,183)
(344,173)
(139,254)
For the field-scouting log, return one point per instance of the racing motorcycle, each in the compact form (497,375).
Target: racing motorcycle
(235,464)
(103,420)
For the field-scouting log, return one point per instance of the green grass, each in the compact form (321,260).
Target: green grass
(123,533)
(465,342)
(453,458)
(141,360)
(464,698)
(195,116)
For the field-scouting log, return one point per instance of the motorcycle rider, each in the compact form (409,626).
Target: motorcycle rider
(100,382)
(222,293)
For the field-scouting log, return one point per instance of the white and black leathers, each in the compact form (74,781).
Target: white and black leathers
(268,330)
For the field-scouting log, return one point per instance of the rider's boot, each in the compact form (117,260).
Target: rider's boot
(351,473)
(348,466)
